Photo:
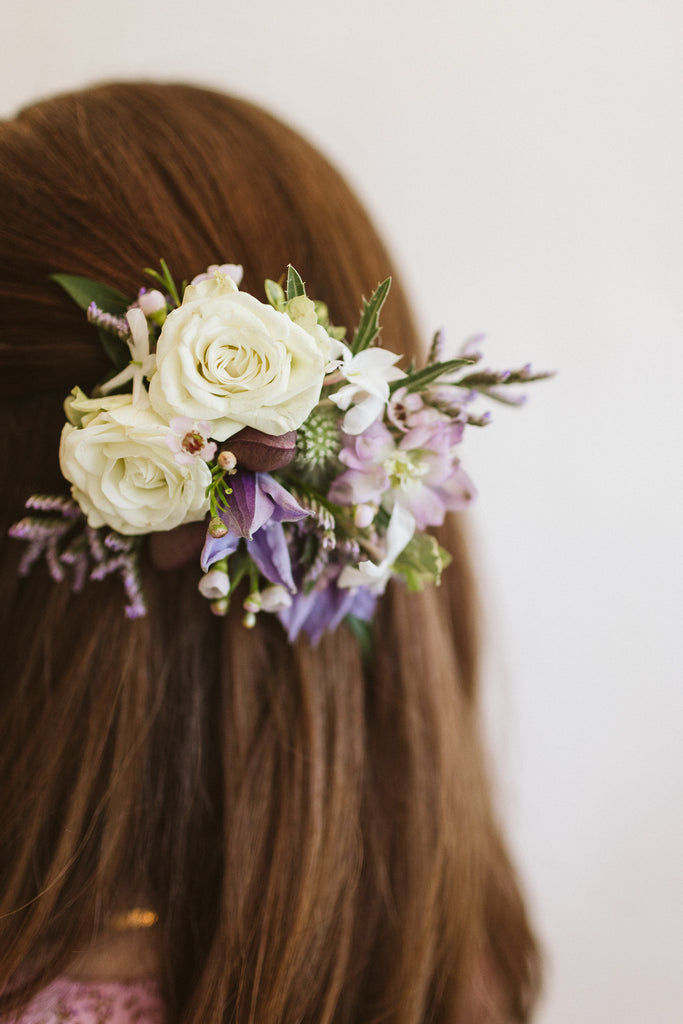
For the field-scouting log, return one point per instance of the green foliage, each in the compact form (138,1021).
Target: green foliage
(84,291)
(363,632)
(165,279)
(369,328)
(422,561)
(420,379)
(275,295)
(295,285)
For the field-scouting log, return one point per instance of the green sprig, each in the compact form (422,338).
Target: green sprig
(368,327)
(165,279)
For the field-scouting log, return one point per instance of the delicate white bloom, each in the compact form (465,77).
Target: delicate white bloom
(365,396)
(233,361)
(375,577)
(122,472)
(214,585)
(142,362)
(189,439)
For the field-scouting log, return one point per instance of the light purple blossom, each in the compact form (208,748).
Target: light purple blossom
(324,607)
(421,473)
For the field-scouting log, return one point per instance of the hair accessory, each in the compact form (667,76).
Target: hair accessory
(316,466)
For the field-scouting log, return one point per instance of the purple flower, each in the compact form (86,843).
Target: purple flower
(256,499)
(325,607)
(256,510)
(421,473)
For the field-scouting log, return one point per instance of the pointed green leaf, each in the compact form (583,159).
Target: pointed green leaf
(84,291)
(165,279)
(295,285)
(362,630)
(421,378)
(115,349)
(275,294)
(368,328)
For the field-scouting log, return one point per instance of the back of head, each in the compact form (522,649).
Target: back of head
(314,833)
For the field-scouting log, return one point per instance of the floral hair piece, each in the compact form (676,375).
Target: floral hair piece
(309,467)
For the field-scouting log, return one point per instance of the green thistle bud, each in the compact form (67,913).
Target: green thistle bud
(318,443)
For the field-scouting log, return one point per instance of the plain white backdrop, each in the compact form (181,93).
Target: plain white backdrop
(525,162)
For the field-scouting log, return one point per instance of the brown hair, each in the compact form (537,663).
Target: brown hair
(318,839)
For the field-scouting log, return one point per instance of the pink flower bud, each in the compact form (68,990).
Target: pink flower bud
(151,302)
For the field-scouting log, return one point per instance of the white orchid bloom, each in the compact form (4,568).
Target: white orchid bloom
(375,577)
(142,362)
(365,396)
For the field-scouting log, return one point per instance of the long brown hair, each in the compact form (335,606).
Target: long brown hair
(316,835)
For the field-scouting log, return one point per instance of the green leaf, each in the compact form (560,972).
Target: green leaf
(368,328)
(363,632)
(275,294)
(165,279)
(295,285)
(422,561)
(421,378)
(116,351)
(84,291)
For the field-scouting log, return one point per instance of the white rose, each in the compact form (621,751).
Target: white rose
(233,361)
(123,473)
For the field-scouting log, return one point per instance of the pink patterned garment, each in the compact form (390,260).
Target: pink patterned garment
(81,1002)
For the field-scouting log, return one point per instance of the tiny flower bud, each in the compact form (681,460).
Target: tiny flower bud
(217,528)
(275,598)
(249,620)
(220,607)
(253,602)
(227,461)
(363,516)
(151,302)
(214,585)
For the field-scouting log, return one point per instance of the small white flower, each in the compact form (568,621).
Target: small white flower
(275,598)
(151,302)
(142,363)
(214,585)
(189,439)
(376,576)
(365,396)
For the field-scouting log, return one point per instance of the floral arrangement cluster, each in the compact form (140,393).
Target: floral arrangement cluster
(313,466)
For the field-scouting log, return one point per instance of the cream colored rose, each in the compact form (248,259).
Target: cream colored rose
(123,473)
(233,361)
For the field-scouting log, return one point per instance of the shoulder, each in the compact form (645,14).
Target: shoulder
(69,1001)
